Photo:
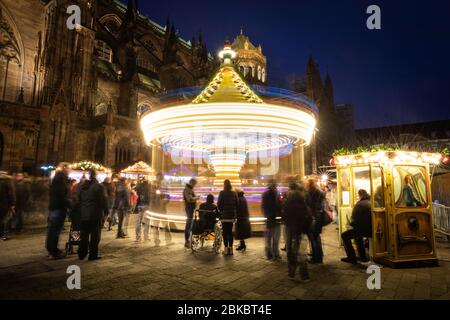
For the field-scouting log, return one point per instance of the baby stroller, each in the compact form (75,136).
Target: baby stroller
(206,227)
(75,230)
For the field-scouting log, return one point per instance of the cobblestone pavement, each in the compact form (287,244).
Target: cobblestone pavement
(132,270)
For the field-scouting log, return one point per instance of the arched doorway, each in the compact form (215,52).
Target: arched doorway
(100,148)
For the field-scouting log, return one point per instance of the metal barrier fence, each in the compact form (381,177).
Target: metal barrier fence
(441,215)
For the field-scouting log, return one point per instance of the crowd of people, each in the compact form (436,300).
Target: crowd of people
(300,212)
(93,206)
(15,192)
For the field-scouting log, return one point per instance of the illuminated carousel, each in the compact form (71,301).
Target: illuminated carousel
(228,125)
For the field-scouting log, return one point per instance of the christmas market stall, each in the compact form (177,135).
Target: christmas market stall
(79,171)
(139,170)
(399,184)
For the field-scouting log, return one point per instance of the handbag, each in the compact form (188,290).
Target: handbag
(327,217)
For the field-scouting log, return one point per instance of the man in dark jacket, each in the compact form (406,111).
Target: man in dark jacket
(59,203)
(94,208)
(315,199)
(109,193)
(362,227)
(297,220)
(7,203)
(122,205)
(23,192)
(271,207)
(190,203)
(143,191)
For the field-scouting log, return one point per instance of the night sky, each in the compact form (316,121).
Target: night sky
(399,74)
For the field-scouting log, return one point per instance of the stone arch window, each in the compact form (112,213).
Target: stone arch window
(251,71)
(259,72)
(11,56)
(123,154)
(100,149)
(111,22)
(143,61)
(103,51)
(58,129)
(30,138)
(263,75)
(143,107)
(100,109)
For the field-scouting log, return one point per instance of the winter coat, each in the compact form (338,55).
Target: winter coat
(93,201)
(271,205)
(296,215)
(362,218)
(23,192)
(243,228)
(60,193)
(228,203)
(143,193)
(208,213)
(122,199)
(109,192)
(315,200)
(7,194)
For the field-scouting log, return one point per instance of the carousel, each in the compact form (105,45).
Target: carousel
(226,127)
(399,183)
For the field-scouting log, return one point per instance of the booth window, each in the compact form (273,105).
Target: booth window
(410,186)
(377,187)
(344,195)
(361,181)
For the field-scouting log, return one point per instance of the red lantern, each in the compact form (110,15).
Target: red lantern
(446,160)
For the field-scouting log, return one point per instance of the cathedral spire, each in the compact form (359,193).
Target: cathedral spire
(327,103)
(132,11)
(313,80)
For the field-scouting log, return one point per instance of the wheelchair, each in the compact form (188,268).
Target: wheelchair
(206,227)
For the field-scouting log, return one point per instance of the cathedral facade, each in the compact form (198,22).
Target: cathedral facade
(70,95)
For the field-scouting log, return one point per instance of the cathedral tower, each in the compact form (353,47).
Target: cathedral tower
(250,60)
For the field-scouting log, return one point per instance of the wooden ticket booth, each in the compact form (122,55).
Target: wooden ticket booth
(399,185)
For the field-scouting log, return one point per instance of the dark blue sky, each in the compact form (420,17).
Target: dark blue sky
(400,74)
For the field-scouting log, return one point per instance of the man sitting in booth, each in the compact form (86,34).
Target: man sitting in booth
(362,227)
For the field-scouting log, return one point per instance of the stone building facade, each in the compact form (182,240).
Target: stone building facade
(250,61)
(70,95)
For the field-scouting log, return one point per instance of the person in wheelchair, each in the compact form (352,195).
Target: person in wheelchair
(208,214)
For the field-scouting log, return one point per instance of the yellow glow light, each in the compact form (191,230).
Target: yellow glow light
(410,157)
(180,124)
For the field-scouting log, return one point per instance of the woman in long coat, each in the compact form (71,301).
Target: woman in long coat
(228,204)
(243,229)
